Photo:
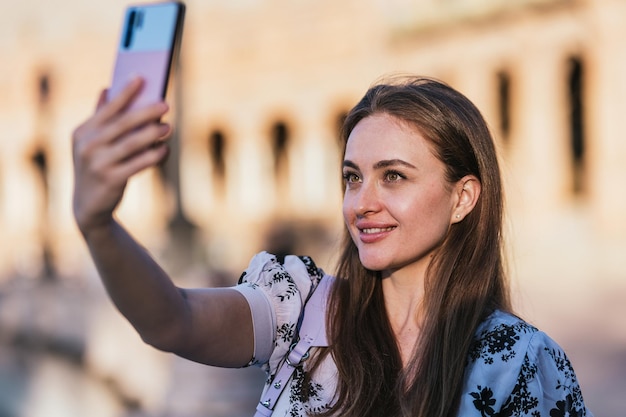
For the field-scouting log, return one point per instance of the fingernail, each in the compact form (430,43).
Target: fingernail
(134,79)
(164,129)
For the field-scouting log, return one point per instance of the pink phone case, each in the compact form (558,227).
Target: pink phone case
(148,41)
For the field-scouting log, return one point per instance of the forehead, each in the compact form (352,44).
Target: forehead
(382,136)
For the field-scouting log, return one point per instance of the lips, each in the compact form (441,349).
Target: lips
(371,234)
(373,230)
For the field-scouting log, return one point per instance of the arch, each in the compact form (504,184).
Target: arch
(576,120)
(217,153)
(280,141)
(504,104)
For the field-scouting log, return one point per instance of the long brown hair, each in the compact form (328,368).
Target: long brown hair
(464,283)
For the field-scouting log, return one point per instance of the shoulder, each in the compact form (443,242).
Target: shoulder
(513,368)
(504,337)
(500,337)
(276,293)
(296,275)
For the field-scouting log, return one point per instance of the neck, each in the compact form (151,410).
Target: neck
(403,296)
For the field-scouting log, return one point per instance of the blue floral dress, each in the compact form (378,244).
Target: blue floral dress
(513,369)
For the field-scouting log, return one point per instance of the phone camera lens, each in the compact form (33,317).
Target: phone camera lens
(130,25)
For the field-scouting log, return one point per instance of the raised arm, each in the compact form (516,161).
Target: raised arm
(211,326)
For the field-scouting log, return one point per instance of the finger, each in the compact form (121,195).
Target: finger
(137,141)
(102,99)
(116,129)
(80,130)
(166,131)
(121,101)
(147,158)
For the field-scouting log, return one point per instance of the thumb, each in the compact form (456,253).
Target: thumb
(102,99)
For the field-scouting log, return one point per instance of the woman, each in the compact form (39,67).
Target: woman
(418,318)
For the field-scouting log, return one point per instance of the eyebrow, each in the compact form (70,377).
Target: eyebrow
(385,163)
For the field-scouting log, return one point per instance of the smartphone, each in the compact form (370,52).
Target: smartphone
(148,46)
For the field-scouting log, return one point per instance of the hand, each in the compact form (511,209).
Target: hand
(111,146)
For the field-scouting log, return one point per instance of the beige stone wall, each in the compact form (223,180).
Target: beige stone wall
(247,65)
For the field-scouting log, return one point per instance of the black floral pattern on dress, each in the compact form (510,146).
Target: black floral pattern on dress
(521,401)
(282,276)
(305,402)
(484,401)
(312,269)
(498,341)
(566,408)
(242,278)
(285,332)
(573,402)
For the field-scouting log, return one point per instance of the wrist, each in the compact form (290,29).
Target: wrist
(95,229)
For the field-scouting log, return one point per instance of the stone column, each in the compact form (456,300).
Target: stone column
(607,111)
(314,167)
(539,151)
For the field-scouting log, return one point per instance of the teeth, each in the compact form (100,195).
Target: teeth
(377,230)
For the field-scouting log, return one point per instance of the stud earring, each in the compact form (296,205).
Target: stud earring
(458,216)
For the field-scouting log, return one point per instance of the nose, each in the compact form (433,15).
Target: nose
(366,199)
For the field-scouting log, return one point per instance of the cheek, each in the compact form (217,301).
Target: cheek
(439,215)
(347,205)
(427,209)
(348,213)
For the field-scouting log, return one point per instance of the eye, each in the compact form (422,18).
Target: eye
(351,177)
(393,176)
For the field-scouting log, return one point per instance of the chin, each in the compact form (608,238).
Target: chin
(374,264)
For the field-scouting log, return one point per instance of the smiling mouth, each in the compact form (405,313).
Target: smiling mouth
(374,230)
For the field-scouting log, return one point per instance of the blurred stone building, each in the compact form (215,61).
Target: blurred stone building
(260,91)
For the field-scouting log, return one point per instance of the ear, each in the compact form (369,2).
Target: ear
(467,191)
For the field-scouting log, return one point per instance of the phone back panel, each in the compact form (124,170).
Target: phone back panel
(147,43)
(149,65)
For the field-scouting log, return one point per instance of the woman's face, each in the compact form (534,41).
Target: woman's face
(398,205)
